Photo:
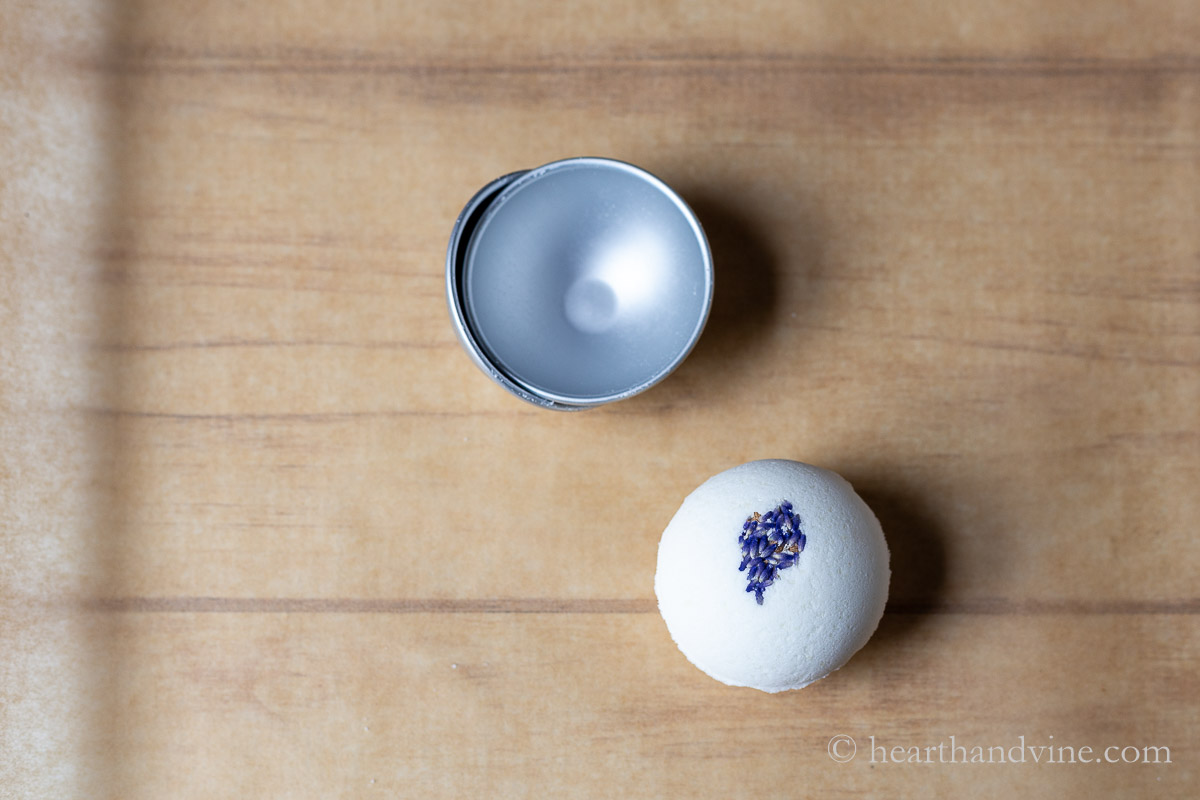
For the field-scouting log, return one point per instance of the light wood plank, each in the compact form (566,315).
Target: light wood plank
(602,705)
(266,531)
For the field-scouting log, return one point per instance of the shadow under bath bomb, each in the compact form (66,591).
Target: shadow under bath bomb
(772,575)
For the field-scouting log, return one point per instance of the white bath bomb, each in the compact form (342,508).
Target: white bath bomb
(772,574)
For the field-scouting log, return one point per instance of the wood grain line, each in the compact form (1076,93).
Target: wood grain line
(356,605)
(119,347)
(1001,606)
(320,417)
(1092,353)
(147,60)
(539,605)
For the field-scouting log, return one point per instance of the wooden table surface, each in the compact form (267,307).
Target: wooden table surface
(266,531)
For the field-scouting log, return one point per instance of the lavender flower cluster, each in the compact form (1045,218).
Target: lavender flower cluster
(770,542)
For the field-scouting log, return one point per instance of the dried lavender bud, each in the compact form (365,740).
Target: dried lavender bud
(769,542)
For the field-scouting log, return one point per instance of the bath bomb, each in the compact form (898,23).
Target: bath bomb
(772,574)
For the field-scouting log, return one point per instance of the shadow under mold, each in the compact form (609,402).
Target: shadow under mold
(750,282)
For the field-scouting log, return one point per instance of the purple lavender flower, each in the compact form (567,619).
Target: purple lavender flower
(770,542)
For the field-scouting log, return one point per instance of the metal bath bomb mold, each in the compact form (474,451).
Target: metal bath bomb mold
(578,283)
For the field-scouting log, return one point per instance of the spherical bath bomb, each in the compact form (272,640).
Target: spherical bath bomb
(772,574)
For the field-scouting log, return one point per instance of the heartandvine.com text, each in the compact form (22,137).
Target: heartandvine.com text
(1021,752)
